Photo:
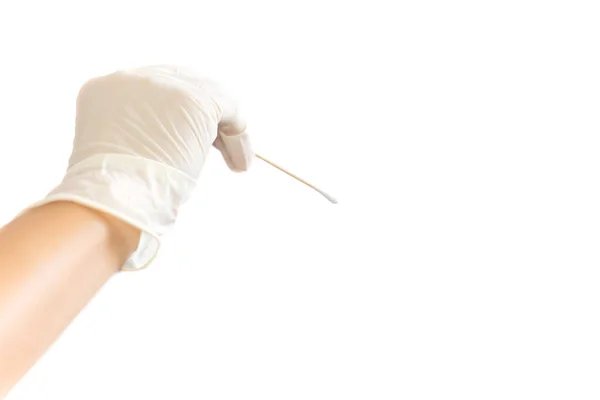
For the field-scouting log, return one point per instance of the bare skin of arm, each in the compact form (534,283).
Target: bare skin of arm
(53,260)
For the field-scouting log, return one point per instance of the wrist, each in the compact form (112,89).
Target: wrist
(119,236)
(139,192)
(123,237)
(115,237)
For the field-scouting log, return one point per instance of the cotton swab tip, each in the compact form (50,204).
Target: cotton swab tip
(328,197)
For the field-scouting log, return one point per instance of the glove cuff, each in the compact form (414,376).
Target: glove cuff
(141,192)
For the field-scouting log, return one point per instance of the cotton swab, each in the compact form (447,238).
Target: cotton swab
(322,193)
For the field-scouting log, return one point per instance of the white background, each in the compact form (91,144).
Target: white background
(461,139)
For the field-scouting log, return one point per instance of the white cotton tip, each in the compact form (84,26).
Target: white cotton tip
(328,197)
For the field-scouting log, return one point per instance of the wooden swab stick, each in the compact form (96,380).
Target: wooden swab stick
(327,196)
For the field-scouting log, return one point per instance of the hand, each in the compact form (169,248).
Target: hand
(141,139)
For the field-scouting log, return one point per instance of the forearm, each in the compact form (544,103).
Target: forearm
(53,259)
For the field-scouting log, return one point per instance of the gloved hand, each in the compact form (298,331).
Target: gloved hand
(141,139)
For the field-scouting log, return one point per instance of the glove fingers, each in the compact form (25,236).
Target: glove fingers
(232,140)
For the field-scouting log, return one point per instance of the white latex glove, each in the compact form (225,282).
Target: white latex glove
(141,139)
